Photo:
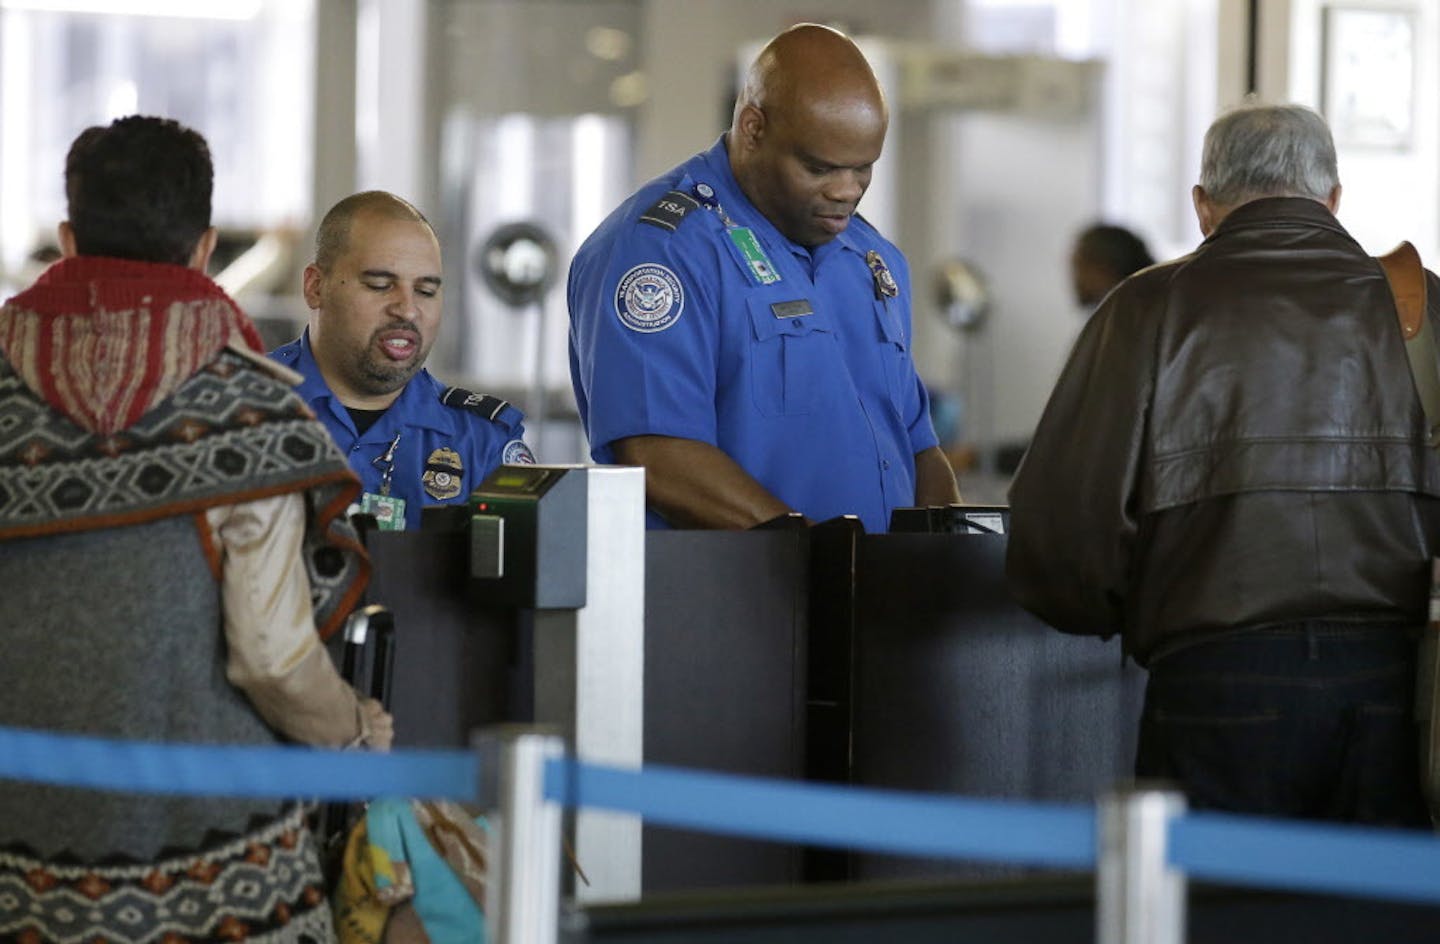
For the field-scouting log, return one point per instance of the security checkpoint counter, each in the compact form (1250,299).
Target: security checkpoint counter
(883,660)
(942,683)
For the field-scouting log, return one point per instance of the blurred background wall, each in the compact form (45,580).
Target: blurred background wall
(516,125)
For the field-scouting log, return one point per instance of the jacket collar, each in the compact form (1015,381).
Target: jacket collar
(1271,211)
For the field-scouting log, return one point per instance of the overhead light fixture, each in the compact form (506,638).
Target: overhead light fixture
(188,9)
(629,90)
(607,43)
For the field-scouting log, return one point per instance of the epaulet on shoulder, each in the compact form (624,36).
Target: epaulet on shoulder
(668,212)
(275,369)
(482,404)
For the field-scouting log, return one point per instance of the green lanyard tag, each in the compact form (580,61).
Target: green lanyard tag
(762,270)
(388,510)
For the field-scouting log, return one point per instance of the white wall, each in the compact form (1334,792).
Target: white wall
(1390,192)
(1023,190)
(688,50)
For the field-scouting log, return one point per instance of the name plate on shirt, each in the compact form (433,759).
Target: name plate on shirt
(793,309)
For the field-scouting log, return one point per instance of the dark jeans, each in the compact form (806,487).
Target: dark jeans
(1309,720)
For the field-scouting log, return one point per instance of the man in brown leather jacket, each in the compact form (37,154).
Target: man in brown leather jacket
(1232,473)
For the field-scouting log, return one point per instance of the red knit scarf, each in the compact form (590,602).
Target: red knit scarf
(105,340)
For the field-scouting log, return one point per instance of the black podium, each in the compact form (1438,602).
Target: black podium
(725,624)
(892,661)
(724,670)
(959,691)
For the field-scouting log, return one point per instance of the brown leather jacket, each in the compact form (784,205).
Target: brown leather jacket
(1234,442)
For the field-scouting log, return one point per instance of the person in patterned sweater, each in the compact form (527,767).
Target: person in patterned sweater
(174,549)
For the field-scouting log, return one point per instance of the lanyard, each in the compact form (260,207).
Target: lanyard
(386,464)
(757,264)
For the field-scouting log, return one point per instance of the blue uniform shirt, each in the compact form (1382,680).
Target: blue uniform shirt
(794,362)
(434,437)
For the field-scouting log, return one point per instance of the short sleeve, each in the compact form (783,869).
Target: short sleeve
(645,335)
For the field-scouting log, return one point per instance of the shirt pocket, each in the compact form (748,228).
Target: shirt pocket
(893,353)
(792,359)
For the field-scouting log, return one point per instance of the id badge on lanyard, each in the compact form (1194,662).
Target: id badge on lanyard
(389,510)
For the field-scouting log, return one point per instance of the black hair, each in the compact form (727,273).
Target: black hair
(1114,248)
(139,189)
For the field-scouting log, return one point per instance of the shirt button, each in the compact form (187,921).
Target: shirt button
(885,464)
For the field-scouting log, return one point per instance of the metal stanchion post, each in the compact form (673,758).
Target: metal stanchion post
(1140,897)
(523,903)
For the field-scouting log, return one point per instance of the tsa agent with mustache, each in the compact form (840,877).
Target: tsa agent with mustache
(374,291)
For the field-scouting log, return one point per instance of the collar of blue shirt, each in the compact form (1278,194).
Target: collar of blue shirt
(418,404)
(738,206)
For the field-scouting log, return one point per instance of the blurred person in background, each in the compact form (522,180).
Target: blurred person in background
(1103,256)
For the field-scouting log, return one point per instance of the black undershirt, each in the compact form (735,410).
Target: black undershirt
(363,419)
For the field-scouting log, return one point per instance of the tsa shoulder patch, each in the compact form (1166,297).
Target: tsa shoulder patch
(649,298)
(517,453)
(492,408)
(669,210)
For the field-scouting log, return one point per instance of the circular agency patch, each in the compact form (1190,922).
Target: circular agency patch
(517,453)
(649,298)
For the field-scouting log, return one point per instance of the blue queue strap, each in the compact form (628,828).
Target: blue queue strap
(234,771)
(1039,834)
(1400,865)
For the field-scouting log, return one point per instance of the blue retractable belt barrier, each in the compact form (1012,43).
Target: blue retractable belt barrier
(1351,860)
(1041,834)
(202,770)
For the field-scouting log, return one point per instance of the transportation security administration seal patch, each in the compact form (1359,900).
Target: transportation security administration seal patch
(649,298)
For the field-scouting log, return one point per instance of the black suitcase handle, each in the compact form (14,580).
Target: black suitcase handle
(377,622)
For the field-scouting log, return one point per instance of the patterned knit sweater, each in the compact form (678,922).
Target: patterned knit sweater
(111,618)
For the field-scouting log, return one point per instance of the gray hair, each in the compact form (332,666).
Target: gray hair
(1258,151)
